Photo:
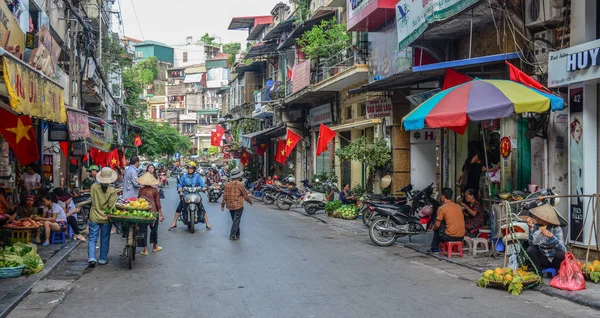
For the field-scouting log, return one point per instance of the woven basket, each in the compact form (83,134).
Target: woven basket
(526,284)
(128,208)
(11,272)
(129,219)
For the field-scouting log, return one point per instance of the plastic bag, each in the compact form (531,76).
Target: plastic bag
(569,276)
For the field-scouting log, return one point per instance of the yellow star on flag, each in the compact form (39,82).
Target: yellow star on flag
(22,131)
(288,143)
(114,161)
(283,152)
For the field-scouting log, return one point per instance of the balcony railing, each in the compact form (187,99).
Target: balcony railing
(271,93)
(357,53)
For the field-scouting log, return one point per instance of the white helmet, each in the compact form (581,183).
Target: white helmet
(214,166)
(291,180)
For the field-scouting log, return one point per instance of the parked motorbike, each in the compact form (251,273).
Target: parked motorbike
(270,191)
(390,222)
(286,198)
(316,199)
(194,209)
(83,201)
(215,191)
(414,204)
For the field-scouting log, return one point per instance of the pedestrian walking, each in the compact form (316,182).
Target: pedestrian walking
(233,198)
(130,186)
(149,191)
(103,196)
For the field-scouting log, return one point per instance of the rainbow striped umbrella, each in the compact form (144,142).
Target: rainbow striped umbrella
(479,100)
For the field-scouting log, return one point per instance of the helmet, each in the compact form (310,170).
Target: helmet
(275,177)
(161,165)
(191,164)
(214,166)
(425,211)
(291,180)
(93,167)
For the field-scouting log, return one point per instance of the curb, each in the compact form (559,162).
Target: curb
(12,299)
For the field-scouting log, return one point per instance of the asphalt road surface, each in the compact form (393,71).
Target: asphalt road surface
(285,265)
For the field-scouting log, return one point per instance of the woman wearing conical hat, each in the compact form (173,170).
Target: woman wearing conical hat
(149,191)
(546,240)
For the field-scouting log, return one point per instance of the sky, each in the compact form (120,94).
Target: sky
(171,21)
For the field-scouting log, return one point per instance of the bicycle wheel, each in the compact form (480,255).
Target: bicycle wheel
(131,258)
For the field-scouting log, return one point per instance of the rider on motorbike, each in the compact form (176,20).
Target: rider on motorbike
(191,179)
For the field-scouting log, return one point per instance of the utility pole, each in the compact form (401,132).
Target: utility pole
(178,111)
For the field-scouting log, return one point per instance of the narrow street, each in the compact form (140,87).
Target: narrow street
(285,265)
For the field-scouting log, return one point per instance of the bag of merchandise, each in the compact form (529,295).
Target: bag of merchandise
(569,276)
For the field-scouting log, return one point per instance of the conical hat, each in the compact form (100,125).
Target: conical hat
(147,179)
(385,181)
(546,213)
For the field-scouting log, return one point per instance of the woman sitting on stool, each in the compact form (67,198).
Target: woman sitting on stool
(546,244)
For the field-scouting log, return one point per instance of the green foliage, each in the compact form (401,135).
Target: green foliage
(208,39)
(249,125)
(232,49)
(303,10)
(331,206)
(358,190)
(323,176)
(213,151)
(235,131)
(324,40)
(114,56)
(160,138)
(232,164)
(373,155)
(135,78)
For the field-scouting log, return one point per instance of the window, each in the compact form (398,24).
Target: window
(185,57)
(349,112)
(363,109)
(138,54)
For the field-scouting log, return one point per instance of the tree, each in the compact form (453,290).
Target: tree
(324,40)
(208,39)
(213,151)
(232,49)
(160,138)
(135,78)
(373,155)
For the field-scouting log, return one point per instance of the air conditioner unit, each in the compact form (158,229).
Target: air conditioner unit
(542,44)
(539,12)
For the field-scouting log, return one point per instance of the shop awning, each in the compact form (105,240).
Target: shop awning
(209,111)
(277,30)
(298,31)
(262,49)
(50,108)
(362,124)
(430,72)
(253,67)
(268,133)
(77,122)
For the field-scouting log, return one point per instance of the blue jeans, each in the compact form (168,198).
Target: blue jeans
(102,230)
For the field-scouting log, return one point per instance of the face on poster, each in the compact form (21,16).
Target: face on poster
(576,159)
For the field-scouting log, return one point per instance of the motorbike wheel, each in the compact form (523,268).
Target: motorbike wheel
(365,216)
(311,208)
(268,198)
(381,238)
(282,205)
(192,222)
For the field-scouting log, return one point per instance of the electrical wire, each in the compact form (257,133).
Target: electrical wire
(138,20)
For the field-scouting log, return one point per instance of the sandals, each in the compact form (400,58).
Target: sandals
(157,249)
(208,226)
(172,227)
(145,253)
(79,238)
(46,244)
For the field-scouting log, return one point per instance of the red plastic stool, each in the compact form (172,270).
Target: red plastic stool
(447,249)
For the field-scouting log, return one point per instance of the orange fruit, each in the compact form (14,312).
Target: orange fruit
(508,278)
(499,271)
(596,263)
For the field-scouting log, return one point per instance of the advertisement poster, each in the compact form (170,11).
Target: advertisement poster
(11,35)
(380,107)
(48,168)
(45,56)
(576,158)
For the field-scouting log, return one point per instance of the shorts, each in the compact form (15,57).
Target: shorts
(62,224)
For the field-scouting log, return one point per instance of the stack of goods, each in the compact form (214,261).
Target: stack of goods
(591,271)
(133,211)
(332,206)
(6,180)
(21,256)
(509,279)
(140,204)
(23,224)
(341,211)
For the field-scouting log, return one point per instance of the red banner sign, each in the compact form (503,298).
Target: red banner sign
(48,167)
(78,125)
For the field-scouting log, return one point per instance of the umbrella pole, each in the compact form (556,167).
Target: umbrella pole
(487,175)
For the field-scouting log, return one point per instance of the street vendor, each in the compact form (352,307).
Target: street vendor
(473,212)
(149,191)
(25,211)
(345,196)
(450,224)
(546,240)
(87,183)
(103,196)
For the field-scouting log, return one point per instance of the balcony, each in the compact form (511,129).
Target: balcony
(344,69)
(320,7)
(175,90)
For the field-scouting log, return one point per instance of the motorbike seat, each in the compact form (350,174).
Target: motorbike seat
(81,198)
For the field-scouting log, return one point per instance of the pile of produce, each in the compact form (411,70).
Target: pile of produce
(591,271)
(21,254)
(136,204)
(347,212)
(507,278)
(130,213)
(332,206)
(23,223)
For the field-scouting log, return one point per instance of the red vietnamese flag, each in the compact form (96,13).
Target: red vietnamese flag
(220,134)
(261,149)
(454,78)
(114,160)
(516,75)
(137,141)
(280,156)
(326,135)
(245,158)
(291,142)
(20,135)
(214,139)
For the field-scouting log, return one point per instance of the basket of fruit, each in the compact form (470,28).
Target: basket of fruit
(140,204)
(130,216)
(347,212)
(591,271)
(23,224)
(506,278)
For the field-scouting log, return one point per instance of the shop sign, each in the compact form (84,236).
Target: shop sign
(413,17)
(575,64)
(381,107)
(319,115)
(48,167)
(300,76)
(97,138)
(418,99)
(32,94)
(505,147)
(57,132)
(78,125)
(11,34)
(423,136)
(45,56)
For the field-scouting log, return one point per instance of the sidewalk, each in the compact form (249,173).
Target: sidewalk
(421,243)
(13,290)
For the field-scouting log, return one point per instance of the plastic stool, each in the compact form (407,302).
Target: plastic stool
(70,229)
(548,272)
(480,241)
(469,245)
(447,248)
(58,238)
